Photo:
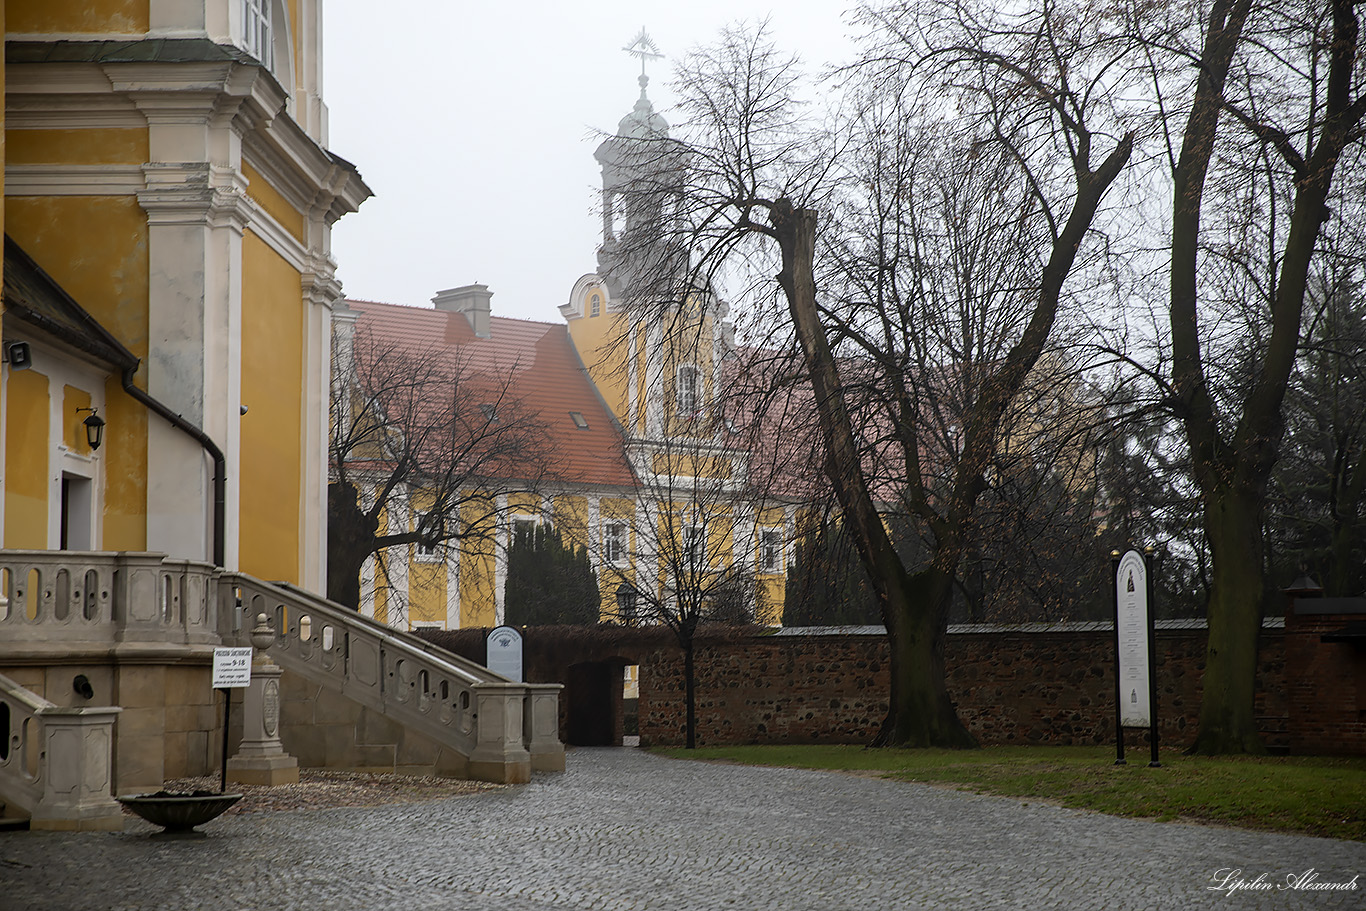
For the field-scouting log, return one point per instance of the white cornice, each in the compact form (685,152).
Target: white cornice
(320,285)
(274,235)
(73,180)
(216,93)
(193,193)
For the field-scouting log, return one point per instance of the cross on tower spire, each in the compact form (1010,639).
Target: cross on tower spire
(644,47)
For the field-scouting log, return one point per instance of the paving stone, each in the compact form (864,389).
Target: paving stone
(622,830)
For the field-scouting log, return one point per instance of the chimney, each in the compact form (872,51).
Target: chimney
(470,300)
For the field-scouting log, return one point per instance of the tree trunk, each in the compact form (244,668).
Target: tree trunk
(920,713)
(1227,721)
(350,539)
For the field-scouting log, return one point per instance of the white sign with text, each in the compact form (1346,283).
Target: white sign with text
(1131,629)
(505,653)
(231,667)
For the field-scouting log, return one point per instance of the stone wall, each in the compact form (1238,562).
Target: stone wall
(172,719)
(1043,685)
(1326,675)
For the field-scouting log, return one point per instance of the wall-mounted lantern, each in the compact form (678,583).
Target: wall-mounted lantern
(94,428)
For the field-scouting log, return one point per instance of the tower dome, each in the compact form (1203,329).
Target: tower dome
(643,122)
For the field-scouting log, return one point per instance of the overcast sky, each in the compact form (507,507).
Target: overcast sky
(474,126)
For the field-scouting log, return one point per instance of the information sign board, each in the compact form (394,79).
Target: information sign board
(1131,633)
(505,653)
(231,667)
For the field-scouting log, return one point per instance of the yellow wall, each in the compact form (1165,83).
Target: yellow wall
(295,37)
(74,401)
(478,568)
(272,381)
(687,465)
(112,146)
(86,16)
(26,455)
(96,249)
(427,592)
(268,198)
(571,518)
(593,338)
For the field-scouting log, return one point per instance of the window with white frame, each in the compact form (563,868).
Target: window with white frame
(687,390)
(524,525)
(614,542)
(595,305)
(770,550)
(694,546)
(428,551)
(257,33)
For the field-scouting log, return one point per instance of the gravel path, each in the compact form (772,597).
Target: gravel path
(623,830)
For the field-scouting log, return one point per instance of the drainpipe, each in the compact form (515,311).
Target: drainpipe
(220,470)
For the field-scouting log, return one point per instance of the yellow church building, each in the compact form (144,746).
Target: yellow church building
(646,466)
(169,290)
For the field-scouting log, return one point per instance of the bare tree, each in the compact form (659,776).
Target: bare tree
(753,193)
(1272,100)
(419,429)
(1317,516)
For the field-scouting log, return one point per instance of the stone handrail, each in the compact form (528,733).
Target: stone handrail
(55,762)
(503,728)
(54,601)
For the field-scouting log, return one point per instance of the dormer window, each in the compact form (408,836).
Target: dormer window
(595,305)
(579,420)
(687,391)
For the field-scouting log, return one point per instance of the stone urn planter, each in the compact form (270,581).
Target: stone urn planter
(177,811)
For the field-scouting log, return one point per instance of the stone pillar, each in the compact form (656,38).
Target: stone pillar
(77,749)
(261,758)
(543,727)
(499,754)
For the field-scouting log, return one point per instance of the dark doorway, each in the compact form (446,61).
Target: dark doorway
(77,517)
(593,693)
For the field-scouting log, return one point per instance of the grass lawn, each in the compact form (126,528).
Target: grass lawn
(1309,795)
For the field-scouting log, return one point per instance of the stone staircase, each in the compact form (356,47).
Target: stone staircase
(469,722)
(143,627)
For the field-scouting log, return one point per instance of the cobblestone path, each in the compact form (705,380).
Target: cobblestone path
(626,830)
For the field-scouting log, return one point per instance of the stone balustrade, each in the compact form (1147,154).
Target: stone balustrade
(55,762)
(504,729)
(57,601)
(143,626)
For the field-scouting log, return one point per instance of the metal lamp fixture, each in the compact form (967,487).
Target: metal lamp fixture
(94,427)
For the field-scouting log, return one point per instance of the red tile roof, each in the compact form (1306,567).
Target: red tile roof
(547,376)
